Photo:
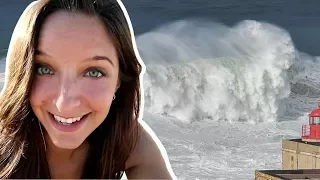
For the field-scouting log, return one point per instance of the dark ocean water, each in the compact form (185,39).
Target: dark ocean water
(299,17)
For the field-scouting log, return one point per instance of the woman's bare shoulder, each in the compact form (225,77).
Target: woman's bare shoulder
(149,159)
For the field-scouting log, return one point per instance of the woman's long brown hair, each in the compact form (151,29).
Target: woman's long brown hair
(22,150)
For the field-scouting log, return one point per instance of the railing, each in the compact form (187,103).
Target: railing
(305,130)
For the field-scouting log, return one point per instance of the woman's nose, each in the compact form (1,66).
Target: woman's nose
(68,96)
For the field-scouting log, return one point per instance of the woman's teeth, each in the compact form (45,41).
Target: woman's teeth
(66,121)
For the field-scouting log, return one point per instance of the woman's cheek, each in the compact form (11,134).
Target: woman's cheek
(44,85)
(43,89)
(100,89)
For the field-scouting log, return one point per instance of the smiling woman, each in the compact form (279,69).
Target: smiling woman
(71,100)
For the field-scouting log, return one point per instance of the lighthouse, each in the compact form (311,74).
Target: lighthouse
(300,157)
(311,132)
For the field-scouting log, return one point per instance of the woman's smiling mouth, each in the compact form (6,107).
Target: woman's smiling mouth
(68,124)
(67,121)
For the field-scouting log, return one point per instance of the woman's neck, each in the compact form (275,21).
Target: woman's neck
(66,163)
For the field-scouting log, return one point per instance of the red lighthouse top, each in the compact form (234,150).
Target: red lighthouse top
(311,132)
(315,112)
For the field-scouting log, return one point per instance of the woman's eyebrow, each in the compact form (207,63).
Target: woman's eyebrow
(39,52)
(97,58)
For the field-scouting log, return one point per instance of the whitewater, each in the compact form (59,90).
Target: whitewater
(221,98)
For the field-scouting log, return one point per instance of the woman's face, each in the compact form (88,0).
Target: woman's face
(76,77)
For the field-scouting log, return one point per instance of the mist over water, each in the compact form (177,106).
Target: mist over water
(200,69)
(222,98)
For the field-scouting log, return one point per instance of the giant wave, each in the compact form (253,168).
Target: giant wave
(205,70)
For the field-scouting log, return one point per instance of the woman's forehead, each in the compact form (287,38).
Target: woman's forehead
(75,33)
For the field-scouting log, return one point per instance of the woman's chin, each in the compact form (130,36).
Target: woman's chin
(68,146)
(68,143)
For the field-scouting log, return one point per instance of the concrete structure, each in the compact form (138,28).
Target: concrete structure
(300,160)
(297,154)
(287,174)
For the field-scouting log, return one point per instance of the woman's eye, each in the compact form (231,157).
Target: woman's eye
(95,73)
(44,70)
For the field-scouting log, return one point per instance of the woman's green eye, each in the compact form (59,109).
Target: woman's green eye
(94,73)
(43,70)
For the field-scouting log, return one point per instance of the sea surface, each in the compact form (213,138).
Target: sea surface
(226,80)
